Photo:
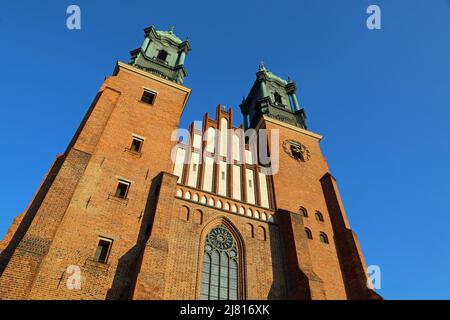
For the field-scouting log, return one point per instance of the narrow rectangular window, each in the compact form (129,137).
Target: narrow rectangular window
(103,249)
(136,144)
(148,96)
(122,189)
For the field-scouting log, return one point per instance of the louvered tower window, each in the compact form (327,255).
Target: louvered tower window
(220,266)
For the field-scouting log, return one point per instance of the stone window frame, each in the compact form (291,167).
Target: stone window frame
(110,242)
(126,182)
(149,91)
(138,138)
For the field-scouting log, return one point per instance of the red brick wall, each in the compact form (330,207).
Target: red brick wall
(23,267)
(172,260)
(78,208)
(23,221)
(297,184)
(158,238)
(352,261)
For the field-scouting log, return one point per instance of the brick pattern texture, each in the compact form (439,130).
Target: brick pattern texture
(158,237)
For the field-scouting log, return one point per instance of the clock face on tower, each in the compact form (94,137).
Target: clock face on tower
(296,150)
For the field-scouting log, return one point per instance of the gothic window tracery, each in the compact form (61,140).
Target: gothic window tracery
(220,266)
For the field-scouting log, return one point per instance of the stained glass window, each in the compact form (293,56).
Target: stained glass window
(220,266)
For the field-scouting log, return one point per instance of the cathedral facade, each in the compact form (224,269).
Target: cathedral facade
(230,213)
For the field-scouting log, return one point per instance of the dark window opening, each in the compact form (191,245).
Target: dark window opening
(296,152)
(308,234)
(324,238)
(162,55)
(136,144)
(319,216)
(303,212)
(122,189)
(277,97)
(148,97)
(102,252)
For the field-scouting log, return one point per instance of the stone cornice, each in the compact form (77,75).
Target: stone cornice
(147,58)
(311,134)
(182,45)
(127,68)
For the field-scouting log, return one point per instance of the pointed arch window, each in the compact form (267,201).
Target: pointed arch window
(220,266)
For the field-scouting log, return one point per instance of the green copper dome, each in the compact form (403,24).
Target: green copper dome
(170,35)
(162,53)
(271,75)
(275,77)
(274,97)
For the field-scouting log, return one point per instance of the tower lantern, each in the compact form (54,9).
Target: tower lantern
(162,53)
(272,96)
(129,212)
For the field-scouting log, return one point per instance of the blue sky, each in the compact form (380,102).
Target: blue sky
(381,99)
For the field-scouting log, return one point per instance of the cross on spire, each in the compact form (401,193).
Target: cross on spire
(261,65)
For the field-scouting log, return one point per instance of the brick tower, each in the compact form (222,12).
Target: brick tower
(126,212)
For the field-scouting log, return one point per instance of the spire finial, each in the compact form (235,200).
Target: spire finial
(171,29)
(262,66)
